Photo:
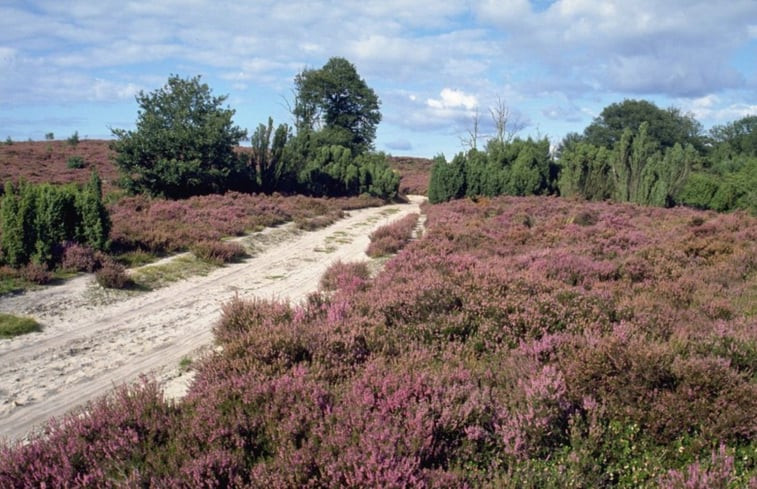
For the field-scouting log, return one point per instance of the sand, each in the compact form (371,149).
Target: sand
(94,339)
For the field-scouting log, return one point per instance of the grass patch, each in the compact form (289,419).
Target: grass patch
(12,285)
(339,237)
(136,258)
(11,326)
(185,364)
(390,211)
(182,267)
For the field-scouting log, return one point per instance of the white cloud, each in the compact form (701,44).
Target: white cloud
(677,47)
(453,99)
(712,109)
(553,56)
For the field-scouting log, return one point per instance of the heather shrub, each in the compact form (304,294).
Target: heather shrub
(493,352)
(340,275)
(218,252)
(718,474)
(36,273)
(79,258)
(114,438)
(112,275)
(239,317)
(391,238)
(319,221)
(167,226)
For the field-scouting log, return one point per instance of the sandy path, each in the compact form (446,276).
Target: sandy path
(95,339)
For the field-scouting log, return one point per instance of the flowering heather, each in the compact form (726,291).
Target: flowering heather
(521,342)
(218,252)
(46,162)
(165,226)
(391,238)
(342,275)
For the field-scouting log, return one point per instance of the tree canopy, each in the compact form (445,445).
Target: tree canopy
(184,142)
(665,126)
(336,103)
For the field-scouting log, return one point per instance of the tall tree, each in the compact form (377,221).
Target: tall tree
(184,142)
(665,126)
(337,104)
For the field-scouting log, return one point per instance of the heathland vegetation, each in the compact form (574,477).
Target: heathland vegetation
(521,342)
(558,328)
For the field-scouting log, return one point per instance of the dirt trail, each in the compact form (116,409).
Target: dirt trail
(94,339)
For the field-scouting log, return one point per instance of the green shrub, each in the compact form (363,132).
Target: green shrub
(73,140)
(75,162)
(38,219)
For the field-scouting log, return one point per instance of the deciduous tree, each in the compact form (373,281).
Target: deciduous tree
(337,103)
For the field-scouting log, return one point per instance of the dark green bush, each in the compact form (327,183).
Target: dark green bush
(75,162)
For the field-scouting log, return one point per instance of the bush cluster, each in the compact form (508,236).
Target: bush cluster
(340,275)
(511,346)
(112,275)
(390,238)
(38,219)
(518,167)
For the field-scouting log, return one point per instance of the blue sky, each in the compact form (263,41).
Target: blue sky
(75,65)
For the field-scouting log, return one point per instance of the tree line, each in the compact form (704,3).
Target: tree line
(632,152)
(186,143)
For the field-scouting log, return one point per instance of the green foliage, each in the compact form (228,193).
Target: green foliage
(334,171)
(738,189)
(183,144)
(14,251)
(11,326)
(73,140)
(519,167)
(269,159)
(666,127)
(94,223)
(49,136)
(336,104)
(643,174)
(37,219)
(447,179)
(699,190)
(8,141)
(586,172)
(736,138)
(75,162)
(637,169)
(376,177)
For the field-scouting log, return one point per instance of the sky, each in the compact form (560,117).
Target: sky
(76,65)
